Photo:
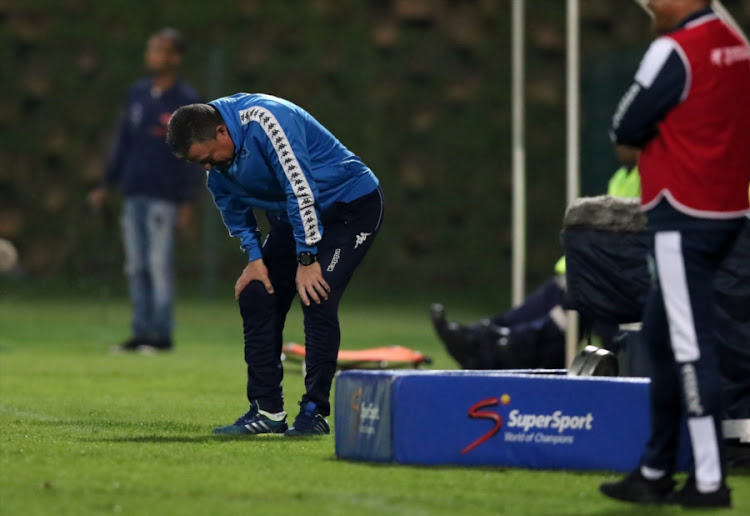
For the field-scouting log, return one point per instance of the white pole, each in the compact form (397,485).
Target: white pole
(519,153)
(573,150)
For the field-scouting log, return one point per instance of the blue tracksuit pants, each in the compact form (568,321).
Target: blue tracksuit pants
(679,331)
(348,232)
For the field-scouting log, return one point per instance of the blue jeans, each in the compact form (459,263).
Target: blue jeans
(148,235)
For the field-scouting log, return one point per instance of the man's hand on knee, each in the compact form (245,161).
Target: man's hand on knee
(255,270)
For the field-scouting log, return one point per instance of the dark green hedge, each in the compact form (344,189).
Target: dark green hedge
(419,89)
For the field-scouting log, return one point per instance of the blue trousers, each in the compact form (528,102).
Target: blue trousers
(348,232)
(148,228)
(679,331)
(535,338)
(537,332)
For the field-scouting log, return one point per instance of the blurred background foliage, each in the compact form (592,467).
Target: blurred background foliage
(419,89)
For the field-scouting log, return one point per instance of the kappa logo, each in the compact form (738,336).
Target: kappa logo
(334,260)
(361,239)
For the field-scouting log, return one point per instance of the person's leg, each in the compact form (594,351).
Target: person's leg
(652,481)
(687,263)
(529,335)
(535,343)
(161,219)
(134,235)
(538,343)
(537,304)
(458,340)
(664,393)
(263,318)
(350,230)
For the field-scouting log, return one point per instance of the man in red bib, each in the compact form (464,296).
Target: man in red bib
(686,119)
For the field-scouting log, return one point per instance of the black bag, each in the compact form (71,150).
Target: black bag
(605,246)
(606,274)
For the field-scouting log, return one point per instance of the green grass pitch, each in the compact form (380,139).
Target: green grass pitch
(84,432)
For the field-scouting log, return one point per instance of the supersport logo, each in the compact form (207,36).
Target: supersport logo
(556,420)
(475,412)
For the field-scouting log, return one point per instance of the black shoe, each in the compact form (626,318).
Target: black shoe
(129,346)
(495,346)
(455,337)
(689,496)
(255,422)
(638,489)
(309,422)
(437,315)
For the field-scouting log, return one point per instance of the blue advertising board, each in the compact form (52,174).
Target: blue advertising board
(493,418)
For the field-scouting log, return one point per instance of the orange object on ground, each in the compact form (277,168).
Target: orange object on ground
(371,358)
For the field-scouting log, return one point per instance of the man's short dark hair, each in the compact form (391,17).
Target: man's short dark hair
(175,37)
(192,124)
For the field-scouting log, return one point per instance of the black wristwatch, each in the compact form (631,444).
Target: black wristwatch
(306,258)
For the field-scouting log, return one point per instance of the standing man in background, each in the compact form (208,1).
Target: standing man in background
(158,190)
(324,207)
(687,115)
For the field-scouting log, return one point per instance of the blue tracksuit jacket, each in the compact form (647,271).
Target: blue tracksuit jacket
(285,163)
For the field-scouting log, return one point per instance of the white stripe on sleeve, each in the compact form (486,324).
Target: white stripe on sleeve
(291,167)
(653,61)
